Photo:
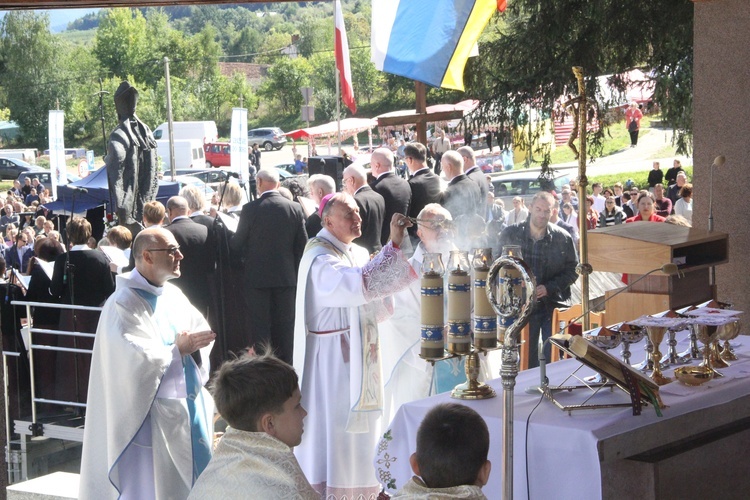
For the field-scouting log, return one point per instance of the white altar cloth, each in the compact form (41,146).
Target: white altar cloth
(565,451)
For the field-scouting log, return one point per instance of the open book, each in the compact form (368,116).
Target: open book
(604,363)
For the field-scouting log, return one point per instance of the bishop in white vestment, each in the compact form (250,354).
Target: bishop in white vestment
(341,295)
(148,425)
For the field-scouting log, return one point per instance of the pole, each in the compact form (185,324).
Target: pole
(338,85)
(420,93)
(170,124)
(101,113)
(584,268)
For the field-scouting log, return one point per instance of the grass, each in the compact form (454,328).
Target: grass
(617,139)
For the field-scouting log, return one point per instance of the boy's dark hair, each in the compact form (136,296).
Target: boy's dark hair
(452,446)
(246,388)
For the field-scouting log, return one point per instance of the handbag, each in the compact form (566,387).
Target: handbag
(633,126)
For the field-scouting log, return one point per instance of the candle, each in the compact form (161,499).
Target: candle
(459,304)
(485,320)
(432,310)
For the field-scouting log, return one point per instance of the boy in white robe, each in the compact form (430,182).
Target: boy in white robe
(341,295)
(259,398)
(451,458)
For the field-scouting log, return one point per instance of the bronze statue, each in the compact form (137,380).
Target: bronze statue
(131,159)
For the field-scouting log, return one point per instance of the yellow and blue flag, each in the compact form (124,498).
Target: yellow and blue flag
(428,40)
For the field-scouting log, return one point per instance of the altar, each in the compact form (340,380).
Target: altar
(697,449)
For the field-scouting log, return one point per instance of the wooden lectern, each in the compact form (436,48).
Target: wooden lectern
(640,247)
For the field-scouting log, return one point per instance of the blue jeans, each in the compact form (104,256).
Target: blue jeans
(540,321)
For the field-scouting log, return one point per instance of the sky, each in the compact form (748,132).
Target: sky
(59,18)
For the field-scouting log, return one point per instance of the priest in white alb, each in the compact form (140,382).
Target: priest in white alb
(148,431)
(341,295)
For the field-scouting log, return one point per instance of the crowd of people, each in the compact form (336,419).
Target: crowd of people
(304,276)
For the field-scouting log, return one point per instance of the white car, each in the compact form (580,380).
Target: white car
(525,184)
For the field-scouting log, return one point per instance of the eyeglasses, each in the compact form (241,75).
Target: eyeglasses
(171,250)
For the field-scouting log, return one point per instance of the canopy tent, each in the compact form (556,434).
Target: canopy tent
(97,187)
(349,127)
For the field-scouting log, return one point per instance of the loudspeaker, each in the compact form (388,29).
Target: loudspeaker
(329,165)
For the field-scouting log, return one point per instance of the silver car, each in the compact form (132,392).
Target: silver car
(526,184)
(267,138)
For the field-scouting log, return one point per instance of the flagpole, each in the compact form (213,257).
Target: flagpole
(338,85)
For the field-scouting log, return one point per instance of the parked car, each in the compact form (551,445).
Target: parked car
(267,138)
(11,168)
(218,154)
(44,176)
(210,177)
(525,184)
(189,180)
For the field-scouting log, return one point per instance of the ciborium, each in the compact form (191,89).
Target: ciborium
(656,328)
(707,332)
(629,334)
(511,289)
(731,331)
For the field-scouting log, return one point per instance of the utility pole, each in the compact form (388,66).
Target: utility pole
(169,117)
(101,94)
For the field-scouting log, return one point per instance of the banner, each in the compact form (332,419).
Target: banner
(58,169)
(238,145)
(428,40)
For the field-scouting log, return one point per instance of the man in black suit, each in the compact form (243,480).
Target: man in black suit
(474,172)
(196,250)
(371,207)
(270,239)
(196,201)
(424,184)
(18,256)
(462,197)
(319,186)
(394,190)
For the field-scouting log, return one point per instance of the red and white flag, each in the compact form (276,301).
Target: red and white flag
(342,61)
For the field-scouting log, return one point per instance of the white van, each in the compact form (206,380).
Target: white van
(201,131)
(27,155)
(188,153)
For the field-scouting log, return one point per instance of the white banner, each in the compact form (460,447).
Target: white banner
(57,165)
(238,146)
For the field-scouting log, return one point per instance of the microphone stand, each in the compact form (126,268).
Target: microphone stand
(668,269)
(69,279)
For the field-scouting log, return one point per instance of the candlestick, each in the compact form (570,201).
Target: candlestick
(485,320)
(432,345)
(459,303)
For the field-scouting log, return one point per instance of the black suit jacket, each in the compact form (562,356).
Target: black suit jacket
(425,189)
(478,177)
(397,195)
(270,240)
(92,280)
(11,258)
(372,210)
(462,197)
(197,262)
(313,225)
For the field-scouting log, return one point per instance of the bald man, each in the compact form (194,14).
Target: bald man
(195,246)
(148,419)
(395,191)
(462,197)
(270,240)
(371,207)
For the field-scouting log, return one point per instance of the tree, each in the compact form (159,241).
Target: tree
(527,61)
(32,76)
(120,43)
(285,78)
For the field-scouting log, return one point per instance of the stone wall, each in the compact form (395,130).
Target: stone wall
(721,123)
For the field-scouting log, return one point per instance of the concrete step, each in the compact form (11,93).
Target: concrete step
(55,486)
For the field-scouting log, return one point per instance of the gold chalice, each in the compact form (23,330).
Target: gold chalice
(656,335)
(706,334)
(730,331)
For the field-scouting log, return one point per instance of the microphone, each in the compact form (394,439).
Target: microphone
(669,269)
(719,161)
